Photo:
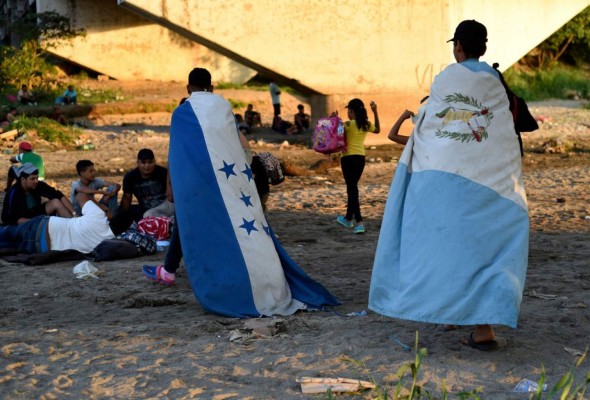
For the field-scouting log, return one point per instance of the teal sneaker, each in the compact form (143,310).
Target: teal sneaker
(344,222)
(359,229)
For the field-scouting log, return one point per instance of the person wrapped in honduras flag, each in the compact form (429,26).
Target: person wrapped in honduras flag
(453,244)
(234,262)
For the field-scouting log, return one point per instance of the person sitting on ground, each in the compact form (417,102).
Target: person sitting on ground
(24,199)
(42,234)
(25,96)
(284,127)
(242,125)
(25,155)
(302,120)
(147,183)
(70,96)
(10,117)
(58,115)
(252,117)
(89,184)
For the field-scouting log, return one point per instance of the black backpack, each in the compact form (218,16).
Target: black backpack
(523,120)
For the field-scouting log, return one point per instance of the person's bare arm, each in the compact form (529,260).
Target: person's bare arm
(126,201)
(376,117)
(394,132)
(111,193)
(68,205)
(87,190)
(13,160)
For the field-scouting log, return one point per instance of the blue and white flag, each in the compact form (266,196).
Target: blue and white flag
(234,263)
(453,245)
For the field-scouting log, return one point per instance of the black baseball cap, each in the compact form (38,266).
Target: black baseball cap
(145,154)
(470,30)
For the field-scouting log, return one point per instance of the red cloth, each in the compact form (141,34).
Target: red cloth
(157,227)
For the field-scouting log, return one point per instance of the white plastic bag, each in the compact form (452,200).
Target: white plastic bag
(85,270)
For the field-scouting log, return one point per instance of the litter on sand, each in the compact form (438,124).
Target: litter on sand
(85,270)
(527,386)
(321,385)
(574,352)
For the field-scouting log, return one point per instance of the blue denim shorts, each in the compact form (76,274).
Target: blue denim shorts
(31,237)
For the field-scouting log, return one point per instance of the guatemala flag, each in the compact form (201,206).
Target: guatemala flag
(453,245)
(235,265)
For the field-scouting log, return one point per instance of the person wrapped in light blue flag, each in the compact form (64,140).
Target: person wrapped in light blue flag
(453,245)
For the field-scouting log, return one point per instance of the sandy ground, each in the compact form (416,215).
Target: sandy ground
(121,336)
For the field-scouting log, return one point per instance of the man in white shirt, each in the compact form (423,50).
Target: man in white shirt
(42,234)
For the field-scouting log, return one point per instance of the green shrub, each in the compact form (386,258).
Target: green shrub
(27,65)
(235,104)
(555,83)
(47,129)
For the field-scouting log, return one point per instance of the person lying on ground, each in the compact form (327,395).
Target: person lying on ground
(24,199)
(281,126)
(91,185)
(42,233)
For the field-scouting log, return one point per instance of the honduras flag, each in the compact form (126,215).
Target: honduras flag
(235,265)
(453,245)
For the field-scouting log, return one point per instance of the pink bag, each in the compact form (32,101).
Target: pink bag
(328,136)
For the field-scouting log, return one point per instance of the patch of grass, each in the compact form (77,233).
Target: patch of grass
(87,96)
(235,104)
(171,106)
(46,129)
(409,388)
(251,86)
(555,83)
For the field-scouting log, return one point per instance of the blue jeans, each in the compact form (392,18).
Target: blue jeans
(111,203)
(29,237)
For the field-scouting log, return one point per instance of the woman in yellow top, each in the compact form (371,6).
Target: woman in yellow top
(353,159)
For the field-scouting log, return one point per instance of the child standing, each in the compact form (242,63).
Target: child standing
(91,185)
(353,159)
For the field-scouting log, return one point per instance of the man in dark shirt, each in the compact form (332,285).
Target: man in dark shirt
(23,200)
(302,120)
(147,183)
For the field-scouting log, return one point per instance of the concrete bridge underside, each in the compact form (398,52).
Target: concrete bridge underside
(331,50)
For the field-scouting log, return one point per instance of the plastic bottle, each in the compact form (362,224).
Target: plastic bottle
(526,386)
(87,146)
(340,128)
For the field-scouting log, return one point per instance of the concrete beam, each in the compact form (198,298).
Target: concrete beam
(125,46)
(371,46)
